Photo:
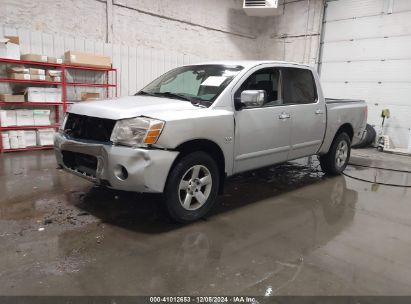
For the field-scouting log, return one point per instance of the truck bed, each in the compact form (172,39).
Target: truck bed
(351,111)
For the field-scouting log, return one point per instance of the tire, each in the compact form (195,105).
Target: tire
(336,160)
(369,137)
(192,187)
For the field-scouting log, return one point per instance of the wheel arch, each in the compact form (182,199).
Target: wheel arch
(347,128)
(208,146)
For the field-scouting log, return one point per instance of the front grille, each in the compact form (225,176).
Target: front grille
(83,163)
(89,128)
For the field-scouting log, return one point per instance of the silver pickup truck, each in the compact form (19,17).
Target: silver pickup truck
(189,129)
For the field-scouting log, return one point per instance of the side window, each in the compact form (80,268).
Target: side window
(266,79)
(298,86)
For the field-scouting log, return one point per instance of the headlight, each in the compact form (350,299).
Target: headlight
(137,131)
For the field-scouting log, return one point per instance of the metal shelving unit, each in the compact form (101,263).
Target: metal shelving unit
(63,83)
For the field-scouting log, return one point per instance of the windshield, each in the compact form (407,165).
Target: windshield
(200,84)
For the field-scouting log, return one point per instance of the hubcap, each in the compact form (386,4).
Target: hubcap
(341,154)
(195,187)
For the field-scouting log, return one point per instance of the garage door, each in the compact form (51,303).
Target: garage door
(366,54)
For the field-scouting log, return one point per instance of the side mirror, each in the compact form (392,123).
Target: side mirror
(253,98)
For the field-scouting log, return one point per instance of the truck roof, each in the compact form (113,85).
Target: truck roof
(251,63)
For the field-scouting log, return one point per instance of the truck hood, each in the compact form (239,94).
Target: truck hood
(132,106)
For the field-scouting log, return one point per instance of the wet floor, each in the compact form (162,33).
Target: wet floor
(284,230)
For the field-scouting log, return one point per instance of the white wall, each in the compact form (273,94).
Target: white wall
(184,26)
(367,55)
(145,38)
(293,35)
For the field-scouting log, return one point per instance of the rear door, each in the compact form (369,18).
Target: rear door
(262,135)
(308,113)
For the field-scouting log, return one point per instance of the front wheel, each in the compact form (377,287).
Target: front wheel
(192,187)
(336,160)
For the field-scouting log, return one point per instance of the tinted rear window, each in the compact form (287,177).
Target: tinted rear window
(298,86)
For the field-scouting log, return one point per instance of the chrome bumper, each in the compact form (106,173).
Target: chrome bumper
(147,169)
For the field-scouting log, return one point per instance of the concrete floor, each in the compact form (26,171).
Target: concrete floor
(285,230)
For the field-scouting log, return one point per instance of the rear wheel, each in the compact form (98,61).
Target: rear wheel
(336,160)
(192,187)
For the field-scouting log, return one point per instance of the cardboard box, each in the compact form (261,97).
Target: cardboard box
(18,69)
(29,77)
(45,137)
(5,140)
(34,57)
(54,73)
(56,78)
(24,117)
(10,47)
(31,138)
(21,139)
(35,94)
(52,94)
(54,60)
(20,76)
(41,117)
(90,96)
(11,98)
(85,59)
(24,70)
(14,141)
(40,77)
(33,71)
(8,118)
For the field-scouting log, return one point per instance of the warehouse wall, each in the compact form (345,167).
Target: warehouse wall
(294,34)
(145,37)
(172,25)
(367,55)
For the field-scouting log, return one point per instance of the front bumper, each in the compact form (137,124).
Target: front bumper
(147,168)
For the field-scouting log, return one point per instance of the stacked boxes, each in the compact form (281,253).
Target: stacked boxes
(41,117)
(8,118)
(41,58)
(10,47)
(45,137)
(31,138)
(27,138)
(20,72)
(24,117)
(38,94)
(5,140)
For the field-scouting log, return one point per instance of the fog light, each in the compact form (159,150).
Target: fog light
(120,172)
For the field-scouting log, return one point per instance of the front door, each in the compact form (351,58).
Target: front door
(262,135)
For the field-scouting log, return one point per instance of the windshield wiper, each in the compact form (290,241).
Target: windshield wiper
(144,93)
(173,95)
(194,101)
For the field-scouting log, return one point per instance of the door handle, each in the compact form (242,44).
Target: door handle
(319,112)
(284,116)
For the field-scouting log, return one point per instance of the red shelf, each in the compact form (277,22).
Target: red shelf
(84,84)
(27,103)
(6,60)
(29,149)
(30,81)
(64,84)
(67,66)
(12,128)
